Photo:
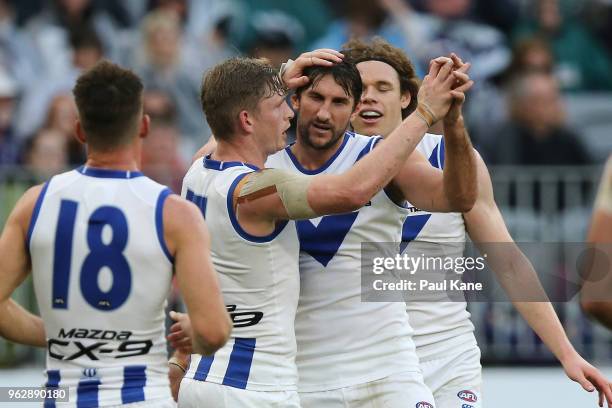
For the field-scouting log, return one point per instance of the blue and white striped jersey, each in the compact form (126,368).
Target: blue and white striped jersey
(102,273)
(260,285)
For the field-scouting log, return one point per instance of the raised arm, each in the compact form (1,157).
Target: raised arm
(518,278)
(188,241)
(274,194)
(454,189)
(16,323)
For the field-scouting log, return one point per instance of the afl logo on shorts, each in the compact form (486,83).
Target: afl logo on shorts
(424,404)
(89,372)
(467,395)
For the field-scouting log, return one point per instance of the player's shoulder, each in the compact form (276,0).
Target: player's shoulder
(25,206)
(197,166)
(180,215)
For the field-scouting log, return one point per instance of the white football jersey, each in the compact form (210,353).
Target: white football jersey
(343,341)
(438,326)
(260,285)
(102,273)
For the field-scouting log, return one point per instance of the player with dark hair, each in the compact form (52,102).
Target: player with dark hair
(102,242)
(346,347)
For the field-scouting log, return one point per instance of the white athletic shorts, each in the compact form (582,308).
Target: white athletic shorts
(198,394)
(455,379)
(404,390)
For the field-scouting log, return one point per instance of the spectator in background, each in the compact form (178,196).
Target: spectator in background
(502,14)
(46,154)
(51,33)
(447,27)
(531,54)
(275,36)
(9,147)
(584,65)
(61,117)
(86,51)
(365,20)
(17,54)
(161,160)
(313,15)
(164,65)
(536,133)
(205,27)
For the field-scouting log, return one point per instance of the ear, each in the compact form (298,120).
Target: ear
(245,121)
(79,133)
(145,125)
(405,100)
(295,102)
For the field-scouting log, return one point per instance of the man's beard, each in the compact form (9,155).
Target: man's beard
(305,135)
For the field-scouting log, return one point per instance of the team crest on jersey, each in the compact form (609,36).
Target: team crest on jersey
(424,404)
(467,395)
(323,240)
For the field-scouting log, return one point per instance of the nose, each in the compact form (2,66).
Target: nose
(323,114)
(368,95)
(289,112)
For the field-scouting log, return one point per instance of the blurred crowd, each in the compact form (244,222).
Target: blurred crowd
(527,56)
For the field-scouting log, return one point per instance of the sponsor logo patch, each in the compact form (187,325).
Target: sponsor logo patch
(467,395)
(467,406)
(424,404)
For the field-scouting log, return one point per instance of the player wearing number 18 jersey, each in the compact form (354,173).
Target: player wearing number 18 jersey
(103,241)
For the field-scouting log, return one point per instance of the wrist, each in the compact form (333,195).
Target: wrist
(566,352)
(180,358)
(426,114)
(457,122)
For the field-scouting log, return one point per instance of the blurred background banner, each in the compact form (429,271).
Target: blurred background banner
(540,113)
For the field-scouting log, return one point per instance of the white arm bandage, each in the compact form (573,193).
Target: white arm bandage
(291,188)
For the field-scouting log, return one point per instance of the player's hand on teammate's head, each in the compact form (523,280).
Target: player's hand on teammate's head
(293,73)
(180,333)
(589,377)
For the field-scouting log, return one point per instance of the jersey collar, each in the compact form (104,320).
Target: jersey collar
(223,165)
(108,173)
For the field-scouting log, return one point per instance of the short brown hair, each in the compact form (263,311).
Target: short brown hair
(234,85)
(109,101)
(357,51)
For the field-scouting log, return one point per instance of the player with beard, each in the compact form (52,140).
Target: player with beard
(443,333)
(352,353)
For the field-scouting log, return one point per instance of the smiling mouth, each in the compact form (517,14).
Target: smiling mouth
(369,115)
